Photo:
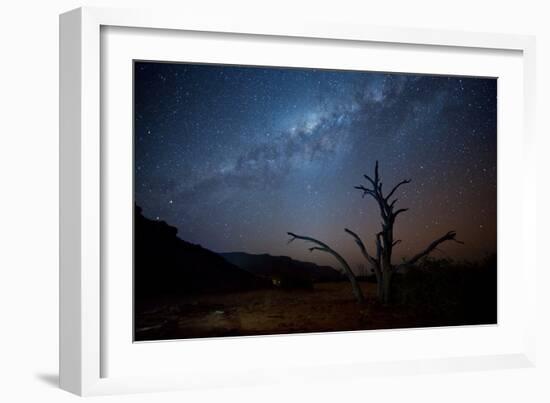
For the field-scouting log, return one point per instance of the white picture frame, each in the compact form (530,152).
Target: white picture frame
(86,346)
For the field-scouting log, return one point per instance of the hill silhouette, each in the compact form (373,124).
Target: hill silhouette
(287,272)
(166,265)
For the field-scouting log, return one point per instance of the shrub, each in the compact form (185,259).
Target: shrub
(447,292)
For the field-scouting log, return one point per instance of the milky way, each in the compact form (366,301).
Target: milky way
(235,157)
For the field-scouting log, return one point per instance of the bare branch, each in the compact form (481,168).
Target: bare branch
(375,262)
(449,236)
(307,239)
(377,186)
(372,181)
(323,247)
(401,210)
(366,191)
(396,242)
(403,182)
(362,247)
(376,193)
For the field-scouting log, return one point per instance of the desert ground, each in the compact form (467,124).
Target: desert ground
(328,306)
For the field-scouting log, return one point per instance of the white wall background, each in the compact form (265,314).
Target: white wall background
(29,198)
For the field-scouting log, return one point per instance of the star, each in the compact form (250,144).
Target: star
(267,150)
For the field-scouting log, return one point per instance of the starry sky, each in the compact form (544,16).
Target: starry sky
(237,156)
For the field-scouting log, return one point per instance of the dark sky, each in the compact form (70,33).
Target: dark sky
(235,157)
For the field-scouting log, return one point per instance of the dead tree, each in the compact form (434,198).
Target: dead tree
(382,262)
(323,247)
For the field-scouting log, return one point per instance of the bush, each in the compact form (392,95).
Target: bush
(450,293)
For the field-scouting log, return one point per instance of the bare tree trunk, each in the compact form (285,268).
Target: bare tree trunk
(382,264)
(379,289)
(386,287)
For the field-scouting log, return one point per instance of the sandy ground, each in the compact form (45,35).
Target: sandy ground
(328,307)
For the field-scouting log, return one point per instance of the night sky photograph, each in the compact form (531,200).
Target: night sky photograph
(273,200)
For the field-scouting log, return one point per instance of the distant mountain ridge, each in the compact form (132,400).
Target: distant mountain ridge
(167,265)
(281,268)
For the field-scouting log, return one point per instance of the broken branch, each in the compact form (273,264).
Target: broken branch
(403,182)
(449,236)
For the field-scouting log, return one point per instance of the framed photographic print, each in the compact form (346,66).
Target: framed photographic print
(230,161)
(235,200)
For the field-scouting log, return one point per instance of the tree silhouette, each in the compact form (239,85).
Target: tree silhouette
(323,247)
(385,242)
